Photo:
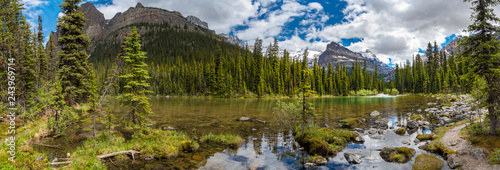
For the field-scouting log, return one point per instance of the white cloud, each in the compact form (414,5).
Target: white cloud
(221,15)
(397,29)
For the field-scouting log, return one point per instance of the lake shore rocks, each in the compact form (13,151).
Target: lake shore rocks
(353,158)
(395,154)
(427,162)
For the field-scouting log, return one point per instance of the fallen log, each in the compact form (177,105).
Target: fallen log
(64,159)
(61,163)
(50,146)
(132,152)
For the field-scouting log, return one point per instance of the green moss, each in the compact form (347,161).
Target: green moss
(401,131)
(427,162)
(423,137)
(350,122)
(400,155)
(438,148)
(232,141)
(323,141)
(416,117)
(161,144)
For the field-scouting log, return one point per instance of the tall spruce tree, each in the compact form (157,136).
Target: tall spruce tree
(135,76)
(73,70)
(481,51)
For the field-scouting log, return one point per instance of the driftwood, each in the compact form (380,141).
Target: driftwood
(50,146)
(61,163)
(64,159)
(132,152)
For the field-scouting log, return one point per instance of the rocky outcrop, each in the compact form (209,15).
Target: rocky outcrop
(454,161)
(197,21)
(400,155)
(95,24)
(353,158)
(233,39)
(336,53)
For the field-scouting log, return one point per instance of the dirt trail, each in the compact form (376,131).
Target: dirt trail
(463,148)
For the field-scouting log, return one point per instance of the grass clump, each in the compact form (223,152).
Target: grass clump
(323,141)
(423,137)
(495,157)
(350,122)
(232,141)
(478,135)
(427,162)
(25,155)
(159,143)
(400,155)
(314,158)
(401,131)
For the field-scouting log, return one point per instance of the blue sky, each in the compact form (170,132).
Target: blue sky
(392,29)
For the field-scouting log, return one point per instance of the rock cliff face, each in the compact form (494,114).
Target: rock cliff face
(335,53)
(451,47)
(99,29)
(232,39)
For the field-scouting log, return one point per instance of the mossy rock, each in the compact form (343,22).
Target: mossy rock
(423,137)
(350,122)
(401,131)
(416,117)
(324,141)
(438,148)
(188,145)
(399,155)
(427,162)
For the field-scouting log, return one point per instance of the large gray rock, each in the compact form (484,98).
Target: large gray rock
(454,161)
(375,113)
(380,137)
(353,158)
(412,124)
(244,119)
(372,131)
(478,153)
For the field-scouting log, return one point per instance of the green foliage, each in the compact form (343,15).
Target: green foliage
(416,117)
(74,70)
(427,162)
(495,157)
(134,75)
(288,114)
(232,141)
(391,91)
(60,122)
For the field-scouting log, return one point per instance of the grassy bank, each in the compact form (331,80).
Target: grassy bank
(323,141)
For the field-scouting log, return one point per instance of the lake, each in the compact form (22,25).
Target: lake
(266,145)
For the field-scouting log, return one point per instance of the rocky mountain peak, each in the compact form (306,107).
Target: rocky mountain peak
(95,24)
(139,5)
(197,21)
(336,53)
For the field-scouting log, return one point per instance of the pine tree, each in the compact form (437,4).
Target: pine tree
(307,107)
(73,69)
(42,66)
(134,92)
(220,78)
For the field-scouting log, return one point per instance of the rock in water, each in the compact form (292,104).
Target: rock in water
(380,137)
(244,119)
(406,142)
(454,161)
(353,158)
(375,113)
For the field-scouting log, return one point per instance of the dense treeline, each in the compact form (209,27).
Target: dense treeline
(440,73)
(195,63)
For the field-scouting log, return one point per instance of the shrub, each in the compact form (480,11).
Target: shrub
(233,141)
(495,157)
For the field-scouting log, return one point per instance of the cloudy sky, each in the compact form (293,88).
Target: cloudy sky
(392,29)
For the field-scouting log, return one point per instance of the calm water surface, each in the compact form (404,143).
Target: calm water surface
(268,147)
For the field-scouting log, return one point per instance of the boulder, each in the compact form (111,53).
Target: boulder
(394,154)
(454,161)
(309,165)
(416,141)
(372,131)
(427,162)
(244,119)
(478,153)
(358,130)
(412,124)
(401,131)
(380,137)
(406,142)
(375,113)
(359,139)
(353,158)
